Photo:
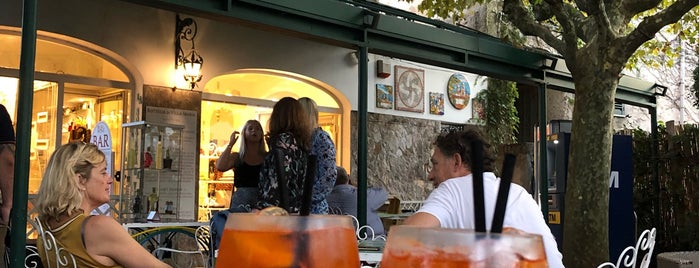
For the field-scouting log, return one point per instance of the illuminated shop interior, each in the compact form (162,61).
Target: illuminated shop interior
(229,101)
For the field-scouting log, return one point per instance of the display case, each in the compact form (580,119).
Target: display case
(150,171)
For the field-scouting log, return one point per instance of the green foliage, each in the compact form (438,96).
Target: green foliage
(453,9)
(695,88)
(662,50)
(501,120)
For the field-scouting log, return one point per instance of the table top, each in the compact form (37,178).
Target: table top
(156,224)
(403,215)
(371,250)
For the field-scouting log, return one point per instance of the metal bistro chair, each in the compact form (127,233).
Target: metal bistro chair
(31,259)
(203,238)
(628,257)
(62,257)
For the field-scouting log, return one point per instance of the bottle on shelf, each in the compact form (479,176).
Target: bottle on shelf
(159,153)
(131,155)
(153,200)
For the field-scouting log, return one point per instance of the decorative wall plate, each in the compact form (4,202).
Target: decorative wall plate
(458,91)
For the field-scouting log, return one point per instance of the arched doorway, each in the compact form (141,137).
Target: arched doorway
(77,84)
(229,100)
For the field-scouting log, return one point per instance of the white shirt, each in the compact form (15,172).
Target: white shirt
(452,204)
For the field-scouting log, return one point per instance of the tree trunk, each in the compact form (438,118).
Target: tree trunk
(585,237)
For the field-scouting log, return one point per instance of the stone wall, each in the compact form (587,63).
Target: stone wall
(397,150)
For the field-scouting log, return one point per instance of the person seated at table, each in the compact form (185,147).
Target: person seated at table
(450,205)
(75,182)
(343,197)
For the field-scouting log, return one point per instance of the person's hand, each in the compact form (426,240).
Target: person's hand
(234,137)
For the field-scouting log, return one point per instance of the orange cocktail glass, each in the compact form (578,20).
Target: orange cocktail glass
(416,247)
(251,240)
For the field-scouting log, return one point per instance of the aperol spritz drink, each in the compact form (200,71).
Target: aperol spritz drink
(251,240)
(416,247)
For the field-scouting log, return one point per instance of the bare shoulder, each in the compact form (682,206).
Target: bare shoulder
(105,225)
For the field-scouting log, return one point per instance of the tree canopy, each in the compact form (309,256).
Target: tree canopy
(597,39)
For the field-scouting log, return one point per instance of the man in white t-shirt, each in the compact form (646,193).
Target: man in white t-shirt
(450,205)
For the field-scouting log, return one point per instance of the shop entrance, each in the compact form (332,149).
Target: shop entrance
(231,100)
(74,88)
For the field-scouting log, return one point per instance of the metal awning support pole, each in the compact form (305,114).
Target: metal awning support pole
(362,136)
(18,219)
(543,169)
(656,161)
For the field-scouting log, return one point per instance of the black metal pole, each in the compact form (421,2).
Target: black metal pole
(18,220)
(655,162)
(543,168)
(362,136)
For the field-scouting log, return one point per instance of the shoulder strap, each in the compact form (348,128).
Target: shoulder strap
(82,230)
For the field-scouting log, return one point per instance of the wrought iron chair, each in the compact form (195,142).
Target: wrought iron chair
(628,257)
(203,238)
(61,256)
(31,259)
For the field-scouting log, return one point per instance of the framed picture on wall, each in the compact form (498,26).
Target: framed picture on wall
(384,96)
(410,89)
(436,103)
(478,110)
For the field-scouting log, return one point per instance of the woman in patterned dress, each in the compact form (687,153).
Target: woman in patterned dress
(324,150)
(289,135)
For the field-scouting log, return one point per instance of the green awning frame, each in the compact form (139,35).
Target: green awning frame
(362,25)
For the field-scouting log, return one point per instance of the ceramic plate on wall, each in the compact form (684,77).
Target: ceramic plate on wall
(458,91)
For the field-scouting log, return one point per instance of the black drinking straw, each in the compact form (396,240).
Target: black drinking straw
(281,179)
(477,171)
(508,167)
(301,253)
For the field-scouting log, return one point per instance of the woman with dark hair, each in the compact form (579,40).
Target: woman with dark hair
(289,141)
(246,164)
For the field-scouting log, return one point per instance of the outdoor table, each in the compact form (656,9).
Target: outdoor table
(371,250)
(160,232)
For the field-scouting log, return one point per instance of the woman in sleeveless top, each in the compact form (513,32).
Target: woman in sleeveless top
(246,165)
(76,182)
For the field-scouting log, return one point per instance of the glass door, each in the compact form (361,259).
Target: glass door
(110,110)
(43,135)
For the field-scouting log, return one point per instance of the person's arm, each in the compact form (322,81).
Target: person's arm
(227,158)
(422,219)
(7,174)
(109,244)
(376,197)
(326,171)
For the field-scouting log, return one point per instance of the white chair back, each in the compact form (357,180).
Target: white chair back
(628,257)
(365,232)
(62,256)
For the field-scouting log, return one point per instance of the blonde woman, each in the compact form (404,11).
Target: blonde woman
(246,164)
(76,182)
(324,149)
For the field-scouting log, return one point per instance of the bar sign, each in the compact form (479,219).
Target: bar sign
(554,217)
